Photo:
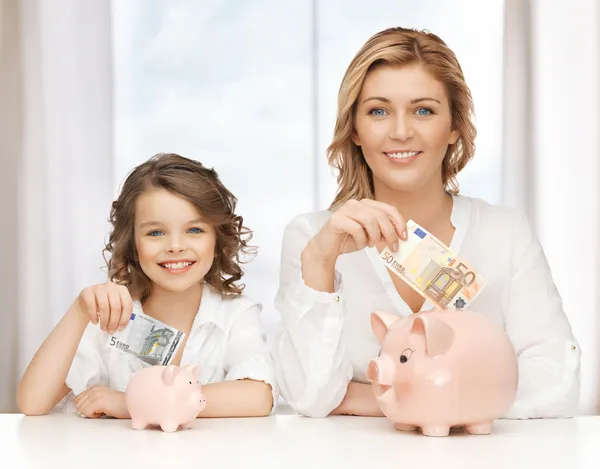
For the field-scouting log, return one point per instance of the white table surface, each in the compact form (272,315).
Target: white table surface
(287,440)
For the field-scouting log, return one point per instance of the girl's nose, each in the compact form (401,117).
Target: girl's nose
(176,245)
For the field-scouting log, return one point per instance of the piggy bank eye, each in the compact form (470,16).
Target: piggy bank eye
(190,382)
(406,354)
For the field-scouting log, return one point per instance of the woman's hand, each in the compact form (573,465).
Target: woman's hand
(359,400)
(354,226)
(100,400)
(107,303)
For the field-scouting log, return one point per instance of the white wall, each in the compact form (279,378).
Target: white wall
(566,102)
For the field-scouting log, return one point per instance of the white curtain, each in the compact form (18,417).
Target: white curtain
(56,71)
(9,153)
(551,151)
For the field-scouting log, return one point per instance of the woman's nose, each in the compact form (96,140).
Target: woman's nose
(401,129)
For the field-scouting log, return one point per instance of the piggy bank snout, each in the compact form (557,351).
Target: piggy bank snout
(201,403)
(373,371)
(198,398)
(380,371)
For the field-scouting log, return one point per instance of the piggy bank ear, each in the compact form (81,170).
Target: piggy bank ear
(438,334)
(192,368)
(381,322)
(169,373)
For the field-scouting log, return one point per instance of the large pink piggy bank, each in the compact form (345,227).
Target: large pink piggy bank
(442,369)
(168,396)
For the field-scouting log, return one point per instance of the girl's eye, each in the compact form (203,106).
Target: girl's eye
(423,111)
(196,230)
(378,112)
(155,233)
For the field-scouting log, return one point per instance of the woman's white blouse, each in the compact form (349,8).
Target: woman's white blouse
(226,341)
(326,338)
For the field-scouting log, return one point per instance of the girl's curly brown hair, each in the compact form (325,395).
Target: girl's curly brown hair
(203,188)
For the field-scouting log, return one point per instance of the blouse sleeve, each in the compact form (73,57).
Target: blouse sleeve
(312,367)
(247,355)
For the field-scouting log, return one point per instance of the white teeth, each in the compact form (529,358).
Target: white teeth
(402,155)
(177,265)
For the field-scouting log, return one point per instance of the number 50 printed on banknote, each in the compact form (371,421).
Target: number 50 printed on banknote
(432,269)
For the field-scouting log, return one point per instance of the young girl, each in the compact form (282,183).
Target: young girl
(174,255)
(404,130)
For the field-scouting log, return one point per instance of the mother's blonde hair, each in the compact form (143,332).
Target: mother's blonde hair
(399,46)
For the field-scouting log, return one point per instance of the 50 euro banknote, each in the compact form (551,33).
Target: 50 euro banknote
(432,269)
(148,339)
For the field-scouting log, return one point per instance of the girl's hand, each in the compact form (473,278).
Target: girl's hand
(354,226)
(100,400)
(107,303)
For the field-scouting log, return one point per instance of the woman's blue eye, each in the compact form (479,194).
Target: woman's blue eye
(155,233)
(423,111)
(196,230)
(377,112)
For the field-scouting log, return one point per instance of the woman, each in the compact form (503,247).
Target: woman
(404,131)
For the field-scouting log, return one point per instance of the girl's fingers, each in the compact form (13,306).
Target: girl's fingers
(114,301)
(87,405)
(103,308)
(88,300)
(126,307)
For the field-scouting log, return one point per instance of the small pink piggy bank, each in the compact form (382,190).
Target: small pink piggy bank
(442,369)
(168,396)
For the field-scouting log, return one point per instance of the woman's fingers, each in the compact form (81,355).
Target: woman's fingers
(393,213)
(358,224)
(379,221)
(355,230)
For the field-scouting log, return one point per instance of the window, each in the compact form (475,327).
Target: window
(250,89)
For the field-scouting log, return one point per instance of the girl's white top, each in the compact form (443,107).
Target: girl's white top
(226,341)
(326,339)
